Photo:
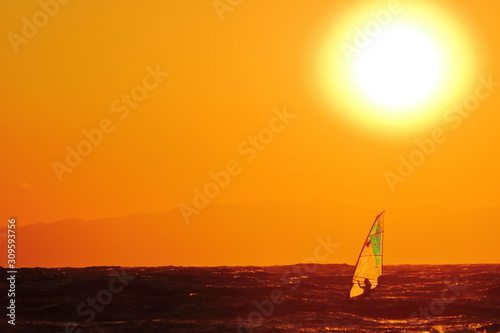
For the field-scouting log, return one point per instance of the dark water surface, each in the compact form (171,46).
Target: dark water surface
(299,298)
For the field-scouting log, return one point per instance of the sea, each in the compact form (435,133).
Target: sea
(295,298)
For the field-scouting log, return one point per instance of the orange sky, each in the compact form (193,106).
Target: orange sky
(225,78)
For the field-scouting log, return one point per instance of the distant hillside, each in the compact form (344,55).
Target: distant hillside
(251,235)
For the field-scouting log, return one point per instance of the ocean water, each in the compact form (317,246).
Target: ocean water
(299,298)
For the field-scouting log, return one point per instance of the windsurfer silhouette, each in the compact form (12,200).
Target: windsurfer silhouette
(367,288)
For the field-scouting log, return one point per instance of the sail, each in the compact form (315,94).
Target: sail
(369,265)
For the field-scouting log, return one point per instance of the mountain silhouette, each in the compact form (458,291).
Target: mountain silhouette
(268,233)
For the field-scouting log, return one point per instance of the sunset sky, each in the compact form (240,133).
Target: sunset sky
(212,80)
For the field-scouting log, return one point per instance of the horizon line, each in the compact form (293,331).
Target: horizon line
(229,266)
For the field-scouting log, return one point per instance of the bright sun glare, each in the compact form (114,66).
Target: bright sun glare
(401,68)
(395,69)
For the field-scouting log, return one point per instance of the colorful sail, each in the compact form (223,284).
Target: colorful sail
(369,265)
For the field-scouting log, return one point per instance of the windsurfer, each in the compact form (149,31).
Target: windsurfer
(367,288)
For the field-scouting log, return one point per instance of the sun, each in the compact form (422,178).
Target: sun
(401,68)
(395,66)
